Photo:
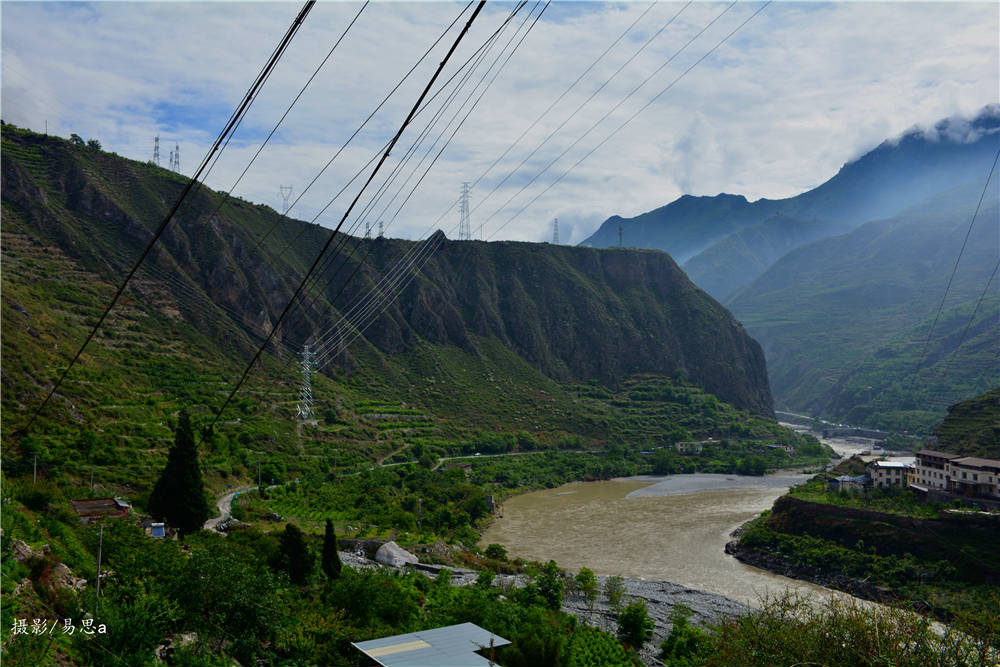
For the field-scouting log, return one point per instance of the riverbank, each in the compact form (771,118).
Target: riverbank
(660,597)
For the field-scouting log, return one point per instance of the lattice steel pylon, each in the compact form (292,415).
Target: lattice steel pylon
(286,195)
(464,222)
(156,150)
(555,231)
(304,411)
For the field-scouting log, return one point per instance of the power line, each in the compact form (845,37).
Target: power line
(333,235)
(403,264)
(635,115)
(930,335)
(344,240)
(236,116)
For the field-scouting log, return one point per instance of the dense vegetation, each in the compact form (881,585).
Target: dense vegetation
(972,428)
(845,321)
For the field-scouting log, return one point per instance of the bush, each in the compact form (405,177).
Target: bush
(634,624)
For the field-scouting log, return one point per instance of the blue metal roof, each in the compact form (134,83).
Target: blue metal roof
(451,646)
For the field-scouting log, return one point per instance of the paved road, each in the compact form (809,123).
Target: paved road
(225,505)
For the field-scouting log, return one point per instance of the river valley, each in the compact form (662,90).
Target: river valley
(664,528)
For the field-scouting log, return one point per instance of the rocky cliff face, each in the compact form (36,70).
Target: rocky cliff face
(575,314)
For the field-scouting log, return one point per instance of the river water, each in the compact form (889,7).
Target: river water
(666,528)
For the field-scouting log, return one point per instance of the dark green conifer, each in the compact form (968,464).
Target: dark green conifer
(293,555)
(179,495)
(331,559)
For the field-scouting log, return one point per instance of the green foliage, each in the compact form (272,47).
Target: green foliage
(589,647)
(634,624)
(496,551)
(586,584)
(331,558)
(614,591)
(791,631)
(293,556)
(179,495)
(686,645)
(972,428)
(550,585)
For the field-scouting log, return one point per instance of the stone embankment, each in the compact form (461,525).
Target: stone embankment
(660,596)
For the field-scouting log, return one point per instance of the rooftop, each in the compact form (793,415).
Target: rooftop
(976,462)
(451,646)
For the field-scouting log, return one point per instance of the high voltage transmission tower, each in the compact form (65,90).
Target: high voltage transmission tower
(368,229)
(464,222)
(381,229)
(286,194)
(555,231)
(175,158)
(304,411)
(156,151)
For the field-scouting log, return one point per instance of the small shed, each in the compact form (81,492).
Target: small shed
(89,509)
(157,530)
(451,646)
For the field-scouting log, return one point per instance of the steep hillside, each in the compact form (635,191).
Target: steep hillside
(844,321)
(741,257)
(486,334)
(897,174)
(972,427)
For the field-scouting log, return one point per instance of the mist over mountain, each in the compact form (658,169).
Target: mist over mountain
(845,321)
(725,242)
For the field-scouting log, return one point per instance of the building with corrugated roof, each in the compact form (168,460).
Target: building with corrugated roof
(451,646)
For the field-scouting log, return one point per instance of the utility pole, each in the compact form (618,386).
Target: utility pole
(97,586)
(286,194)
(555,231)
(156,150)
(464,222)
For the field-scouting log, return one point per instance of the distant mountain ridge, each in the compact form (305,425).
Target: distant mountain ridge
(553,313)
(725,242)
(845,321)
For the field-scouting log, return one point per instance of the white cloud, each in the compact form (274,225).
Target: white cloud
(797,92)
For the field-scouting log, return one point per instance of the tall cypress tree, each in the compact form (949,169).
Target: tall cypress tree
(331,559)
(293,555)
(179,495)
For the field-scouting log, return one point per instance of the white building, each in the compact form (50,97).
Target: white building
(890,472)
(973,477)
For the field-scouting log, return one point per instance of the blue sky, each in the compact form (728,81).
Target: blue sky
(798,91)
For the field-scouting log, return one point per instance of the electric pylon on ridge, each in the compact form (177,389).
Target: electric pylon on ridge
(156,150)
(368,229)
(555,231)
(286,194)
(304,410)
(175,158)
(464,222)
(381,229)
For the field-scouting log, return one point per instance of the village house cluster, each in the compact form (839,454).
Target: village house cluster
(934,475)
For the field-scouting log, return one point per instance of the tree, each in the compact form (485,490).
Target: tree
(587,584)
(94,144)
(634,624)
(614,590)
(76,139)
(293,555)
(179,495)
(550,585)
(331,559)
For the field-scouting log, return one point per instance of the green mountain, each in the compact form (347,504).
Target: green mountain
(972,427)
(725,242)
(741,257)
(845,321)
(494,335)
